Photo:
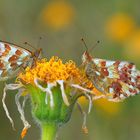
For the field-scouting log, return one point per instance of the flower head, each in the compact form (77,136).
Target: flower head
(54,88)
(51,71)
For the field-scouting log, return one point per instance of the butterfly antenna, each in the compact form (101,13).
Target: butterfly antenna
(84,43)
(39,41)
(95,45)
(26,43)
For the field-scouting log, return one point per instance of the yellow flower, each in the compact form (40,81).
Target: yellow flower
(132,46)
(119,27)
(54,87)
(57,14)
(53,70)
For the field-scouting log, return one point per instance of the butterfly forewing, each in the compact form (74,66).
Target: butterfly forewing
(12,57)
(116,79)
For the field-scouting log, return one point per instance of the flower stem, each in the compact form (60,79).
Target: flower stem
(49,131)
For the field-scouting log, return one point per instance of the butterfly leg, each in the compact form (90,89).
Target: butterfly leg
(84,127)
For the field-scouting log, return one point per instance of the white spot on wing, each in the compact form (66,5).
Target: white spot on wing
(98,73)
(96,61)
(109,63)
(2,48)
(111,90)
(0,72)
(19,63)
(122,96)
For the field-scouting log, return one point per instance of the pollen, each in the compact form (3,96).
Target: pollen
(53,70)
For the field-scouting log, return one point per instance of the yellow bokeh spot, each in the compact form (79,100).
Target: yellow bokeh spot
(57,14)
(132,47)
(110,108)
(119,27)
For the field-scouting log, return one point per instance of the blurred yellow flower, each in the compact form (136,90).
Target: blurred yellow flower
(132,47)
(57,14)
(110,108)
(119,27)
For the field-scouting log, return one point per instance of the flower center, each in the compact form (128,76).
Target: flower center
(53,70)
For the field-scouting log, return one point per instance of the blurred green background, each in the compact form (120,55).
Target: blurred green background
(116,23)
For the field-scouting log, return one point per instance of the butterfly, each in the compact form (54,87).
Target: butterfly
(13,58)
(117,80)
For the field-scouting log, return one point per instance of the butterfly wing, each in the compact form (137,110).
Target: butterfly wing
(115,79)
(12,57)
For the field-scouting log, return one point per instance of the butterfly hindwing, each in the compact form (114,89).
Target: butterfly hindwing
(12,57)
(116,79)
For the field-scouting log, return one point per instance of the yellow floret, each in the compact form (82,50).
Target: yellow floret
(53,70)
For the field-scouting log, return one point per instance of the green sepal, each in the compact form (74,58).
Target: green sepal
(60,113)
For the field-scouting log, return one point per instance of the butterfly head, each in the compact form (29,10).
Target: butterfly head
(86,57)
(37,53)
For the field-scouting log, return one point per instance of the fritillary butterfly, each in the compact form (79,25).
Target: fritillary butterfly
(117,80)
